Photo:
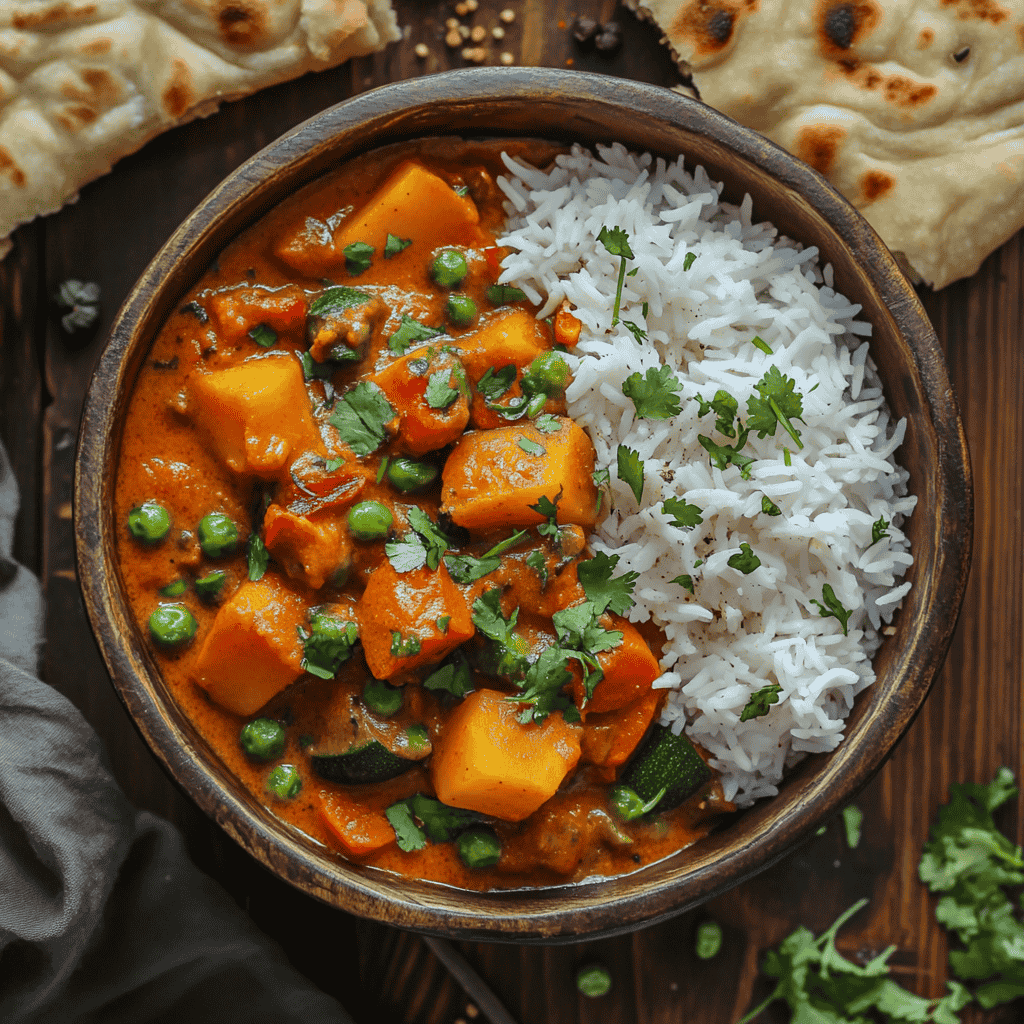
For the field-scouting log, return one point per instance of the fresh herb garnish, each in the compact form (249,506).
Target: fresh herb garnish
(832,607)
(725,407)
(488,618)
(654,395)
(852,818)
(768,507)
(722,455)
(759,342)
(688,260)
(616,241)
(500,294)
(494,383)
(443,622)
(453,676)
(604,592)
(879,530)
(438,822)
(547,424)
(361,416)
(541,689)
(639,334)
(264,335)
(536,561)
(257,556)
(439,393)
(760,702)
(549,509)
(787,458)
(779,403)
(425,545)
(394,245)
(358,257)
(685,515)
(685,581)
(468,569)
(631,470)
(530,446)
(409,332)
(312,370)
(409,835)
(327,645)
(404,646)
(745,560)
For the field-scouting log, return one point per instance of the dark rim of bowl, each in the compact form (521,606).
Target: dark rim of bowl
(491,101)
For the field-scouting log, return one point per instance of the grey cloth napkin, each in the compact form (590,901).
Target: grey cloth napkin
(102,916)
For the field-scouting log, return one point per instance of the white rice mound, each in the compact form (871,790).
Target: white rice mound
(737,633)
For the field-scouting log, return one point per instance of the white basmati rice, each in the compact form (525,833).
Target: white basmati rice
(737,633)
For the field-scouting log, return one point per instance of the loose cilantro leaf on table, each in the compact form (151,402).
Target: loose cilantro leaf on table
(722,455)
(630,470)
(655,394)
(439,393)
(760,702)
(832,607)
(549,509)
(358,257)
(361,416)
(409,332)
(685,515)
(394,245)
(616,241)
(852,818)
(725,407)
(602,590)
(744,560)
(879,530)
(779,403)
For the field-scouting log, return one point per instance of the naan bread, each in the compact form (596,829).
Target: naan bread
(913,109)
(85,82)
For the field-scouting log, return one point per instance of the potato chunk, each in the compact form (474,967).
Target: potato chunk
(309,551)
(252,651)
(492,477)
(488,761)
(256,414)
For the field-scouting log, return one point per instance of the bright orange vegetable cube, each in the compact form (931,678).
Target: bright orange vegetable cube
(252,650)
(360,830)
(308,551)
(401,619)
(237,311)
(492,477)
(629,670)
(515,337)
(256,415)
(486,760)
(611,736)
(423,428)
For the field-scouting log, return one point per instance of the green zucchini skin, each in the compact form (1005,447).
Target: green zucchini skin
(369,762)
(670,761)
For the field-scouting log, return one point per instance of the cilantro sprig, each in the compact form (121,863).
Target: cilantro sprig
(361,416)
(760,702)
(616,241)
(833,607)
(630,468)
(421,817)
(424,545)
(779,404)
(654,394)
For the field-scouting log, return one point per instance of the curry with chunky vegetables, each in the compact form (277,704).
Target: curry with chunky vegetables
(353,522)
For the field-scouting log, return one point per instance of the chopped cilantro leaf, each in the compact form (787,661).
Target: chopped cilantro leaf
(549,509)
(686,582)
(511,541)
(725,408)
(441,822)
(779,403)
(328,644)
(852,818)
(536,561)
(453,676)
(547,424)
(443,622)
(787,458)
(494,383)
(654,395)
(361,416)
(685,515)
(312,370)
(745,560)
(467,569)
(631,470)
(424,546)
(394,245)
(440,394)
(409,332)
(487,616)
(760,702)
(404,646)
(382,468)
(358,257)
(832,607)
(541,690)
(722,455)
(500,294)
(332,464)
(257,556)
(635,329)
(263,335)
(688,260)
(879,530)
(410,836)
(760,343)
(531,447)
(407,554)
(768,507)
(616,241)
(604,592)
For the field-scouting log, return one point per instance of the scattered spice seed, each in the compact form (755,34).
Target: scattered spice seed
(461,9)
(584,29)
(478,33)
(498,32)
(422,50)
(451,23)
(508,16)
(472,5)
(472,1011)
(610,37)
(507,59)
(453,39)
(464,31)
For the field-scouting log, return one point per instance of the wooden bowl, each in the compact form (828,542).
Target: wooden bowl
(564,106)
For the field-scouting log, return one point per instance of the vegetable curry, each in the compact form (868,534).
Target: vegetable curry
(353,521)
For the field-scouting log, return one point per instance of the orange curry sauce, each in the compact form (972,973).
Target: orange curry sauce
(188,445)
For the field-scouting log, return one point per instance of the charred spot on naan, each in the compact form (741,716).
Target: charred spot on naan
(10,168)
(708,26)
(983,10)
(242,25)
(178,95)
(874,185)
(54,14)
(819,145)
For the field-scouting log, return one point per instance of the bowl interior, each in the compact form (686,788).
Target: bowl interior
(567,107)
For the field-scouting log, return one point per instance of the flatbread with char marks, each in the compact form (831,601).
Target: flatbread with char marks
(913,109)
(85,82)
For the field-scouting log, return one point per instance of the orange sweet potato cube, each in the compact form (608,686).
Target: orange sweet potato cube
(629,670)
(486,760)
(402,619)
(492,477)
(424,428)
(236,311)
(256,415)
(358,829)
(308,550)
(252,650)
(609,737)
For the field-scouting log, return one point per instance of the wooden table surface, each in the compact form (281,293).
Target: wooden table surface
(969,726)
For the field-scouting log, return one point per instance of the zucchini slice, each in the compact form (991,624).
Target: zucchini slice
(369,762)
(667,761)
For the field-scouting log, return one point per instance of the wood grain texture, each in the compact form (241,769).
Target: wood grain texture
(970,725)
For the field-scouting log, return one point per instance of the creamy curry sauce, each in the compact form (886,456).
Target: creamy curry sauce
(171,454)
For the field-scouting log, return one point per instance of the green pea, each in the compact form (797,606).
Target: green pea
(479,848)
(461,310)
(284,782)
(382,699)
(209,587)
(593,980)
(548,373)
(174,589)
(149,522)
(410,475)
(172,625)
(262,739)
(448,268)
(709,939)
(218,535)
(370,520)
